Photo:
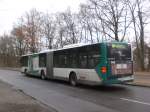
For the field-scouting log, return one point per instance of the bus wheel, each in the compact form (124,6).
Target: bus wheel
(73,79)
(43,75)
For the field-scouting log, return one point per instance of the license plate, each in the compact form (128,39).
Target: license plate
(121,66)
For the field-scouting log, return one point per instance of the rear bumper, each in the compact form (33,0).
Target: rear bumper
(119,80)
(126,79)
(108,82)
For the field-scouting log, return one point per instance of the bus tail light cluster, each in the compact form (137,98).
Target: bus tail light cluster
(103,70)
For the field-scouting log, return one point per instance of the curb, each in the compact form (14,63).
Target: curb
(12,69)
(140,85)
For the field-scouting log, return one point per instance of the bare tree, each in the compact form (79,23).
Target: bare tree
(139,19)
(113,16)
(18,34)
(70,22)
(32,25)
(7,51)
(49,29)
(85,20)
(60,31)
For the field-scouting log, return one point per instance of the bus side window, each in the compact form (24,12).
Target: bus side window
(93,56)
(42,60)
(56,59)
(62,61)
(90,61)
(93,60)
(72,61)
(83,57)
(83,60)
(72,58)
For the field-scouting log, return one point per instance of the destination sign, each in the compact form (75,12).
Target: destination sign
(118,46)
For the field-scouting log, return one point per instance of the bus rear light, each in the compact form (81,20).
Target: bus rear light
(103,70)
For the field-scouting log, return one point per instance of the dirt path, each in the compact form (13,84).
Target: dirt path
(12,100)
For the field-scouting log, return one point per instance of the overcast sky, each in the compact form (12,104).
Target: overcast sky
(10,10)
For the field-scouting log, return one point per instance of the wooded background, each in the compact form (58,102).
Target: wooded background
(96,21)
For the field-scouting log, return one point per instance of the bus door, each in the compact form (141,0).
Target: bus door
(30,63)
(34,65)
(35,62)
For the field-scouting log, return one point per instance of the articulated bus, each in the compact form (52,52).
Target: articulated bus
(94,64)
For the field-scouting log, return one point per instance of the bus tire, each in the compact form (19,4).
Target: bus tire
(43,77)
(73,79)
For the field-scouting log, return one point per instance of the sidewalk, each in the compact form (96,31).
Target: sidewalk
(141,79)
(12,100)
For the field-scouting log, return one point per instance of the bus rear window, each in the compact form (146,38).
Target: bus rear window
(117,51)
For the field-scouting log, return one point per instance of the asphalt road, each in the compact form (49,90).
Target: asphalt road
(64,98)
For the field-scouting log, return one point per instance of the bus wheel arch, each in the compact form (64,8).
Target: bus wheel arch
(42,74)
(73,78)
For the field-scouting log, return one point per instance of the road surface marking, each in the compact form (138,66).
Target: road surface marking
(135,101)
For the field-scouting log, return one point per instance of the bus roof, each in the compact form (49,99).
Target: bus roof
(69,47)
(65,47)
(45,51)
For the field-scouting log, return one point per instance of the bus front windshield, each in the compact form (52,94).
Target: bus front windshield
(118,51)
